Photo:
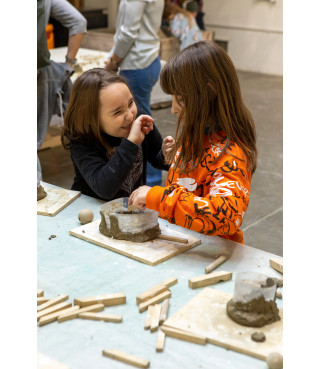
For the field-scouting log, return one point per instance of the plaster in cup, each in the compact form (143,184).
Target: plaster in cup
(250,285)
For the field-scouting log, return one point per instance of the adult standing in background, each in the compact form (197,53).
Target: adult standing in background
(53,82)
(136,54)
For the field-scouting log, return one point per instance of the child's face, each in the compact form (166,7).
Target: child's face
(117,110)
(175,107)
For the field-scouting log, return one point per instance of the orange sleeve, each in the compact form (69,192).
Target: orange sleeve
(217,209)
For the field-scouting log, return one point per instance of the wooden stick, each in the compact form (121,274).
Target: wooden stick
(208,279)
(108,299)
(147,322)
(183,335)
(100,316)
(152,292)
(74,314)
(172,238)
(54,316)
(220,260)
(41,300)
(52,309)
(40,293)
(126,358)
(164,310)
(160,341)
(52,302)
(277,264)
(155,318)
(144,305)
(168,282)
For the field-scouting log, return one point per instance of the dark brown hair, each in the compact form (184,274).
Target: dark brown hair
(81,119)
(203,79)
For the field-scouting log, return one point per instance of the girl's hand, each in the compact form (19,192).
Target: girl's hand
(167,145)
(111,66)
(140,128)
(138,197)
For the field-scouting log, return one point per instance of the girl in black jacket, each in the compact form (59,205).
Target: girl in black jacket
(109,146)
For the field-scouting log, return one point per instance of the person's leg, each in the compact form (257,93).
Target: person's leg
(141,83)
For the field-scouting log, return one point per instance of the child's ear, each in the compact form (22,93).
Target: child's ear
(211,87)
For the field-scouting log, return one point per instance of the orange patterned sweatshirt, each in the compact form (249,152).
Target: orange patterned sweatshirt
(212,199)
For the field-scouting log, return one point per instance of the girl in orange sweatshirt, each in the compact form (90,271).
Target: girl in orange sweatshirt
(214,153)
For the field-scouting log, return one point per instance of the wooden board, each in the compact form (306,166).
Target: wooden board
(56,200)
(206,315)
(150,252)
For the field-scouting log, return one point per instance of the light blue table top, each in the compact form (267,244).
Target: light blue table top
(69,265)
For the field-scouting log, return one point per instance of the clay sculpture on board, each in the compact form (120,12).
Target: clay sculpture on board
(128,223)
(41,193)
(253,303)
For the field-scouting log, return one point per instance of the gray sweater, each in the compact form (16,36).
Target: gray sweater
(136,39)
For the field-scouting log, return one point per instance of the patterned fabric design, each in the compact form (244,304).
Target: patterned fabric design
(212,199)
(134,173)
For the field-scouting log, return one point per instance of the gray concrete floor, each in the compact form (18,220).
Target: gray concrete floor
(263,222)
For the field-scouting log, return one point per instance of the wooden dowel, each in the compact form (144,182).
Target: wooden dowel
(52,309)
(144,305)
(155,318)
(164,310)
(208,279)
(147,322)
(146,295)
(160,341)
(220,260)
(183,335)
(172,238)
(126,358)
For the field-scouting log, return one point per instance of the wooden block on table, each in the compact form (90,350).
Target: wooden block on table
(147,322)
(101,316)
(164,310)
(208,279)
(54,316)
(41,300)
(155,318)
(52,309)
(144,305)
(277,264)
(108,299)
(51,302)
(147,294)
(74,314)
(152,292)
(56,200)
(183,335)
(220,260)
(40,293)
(160,341)
(126,358)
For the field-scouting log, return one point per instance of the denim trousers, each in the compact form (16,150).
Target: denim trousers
(141,82)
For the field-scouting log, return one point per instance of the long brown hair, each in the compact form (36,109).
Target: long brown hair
(81,119)
(203,78)
(175,9)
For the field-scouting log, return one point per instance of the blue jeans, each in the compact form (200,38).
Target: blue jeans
(141,82)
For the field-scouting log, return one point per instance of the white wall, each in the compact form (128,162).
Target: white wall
(253,29)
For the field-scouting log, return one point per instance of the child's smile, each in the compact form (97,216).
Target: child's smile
(117,110)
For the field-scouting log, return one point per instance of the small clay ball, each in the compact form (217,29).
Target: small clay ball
(85,216)
(274,360)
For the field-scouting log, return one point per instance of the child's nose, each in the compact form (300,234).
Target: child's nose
(129,114)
